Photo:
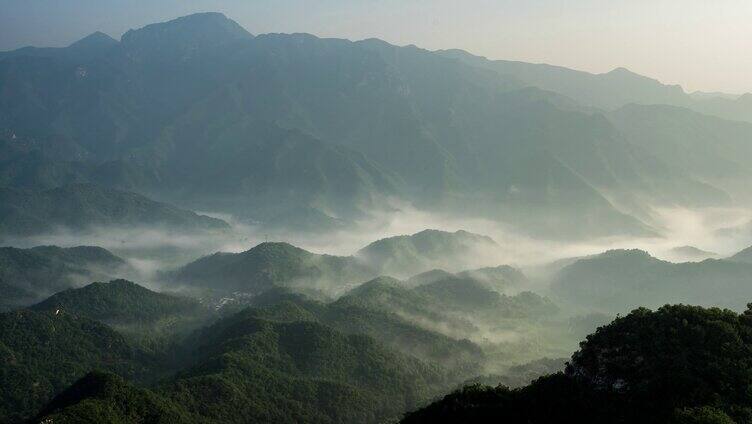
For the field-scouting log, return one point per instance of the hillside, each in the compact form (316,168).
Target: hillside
(273,264)
(709,149)
(29,275)
(620,280)
(682,364)
(102,397)
(413,254)
(441,299)
(280,372)
(471,296)
(502,279)
(264,372)
(85,206)
(458,356)
(510,330)
(610,90)
(744,255)
(42,353)
(692,253)
(128,307)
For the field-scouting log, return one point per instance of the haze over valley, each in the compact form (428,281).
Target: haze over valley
(204,224)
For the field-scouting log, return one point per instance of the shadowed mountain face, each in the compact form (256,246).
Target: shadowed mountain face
(679,364)
(603,91)
(412,254)
(273,264)
(285,359)
(268,265)
(199,112)
(110,398)
(710,149)
(129,308)
(82,207)
(28,275)
(620,280)
(611,90)
(44,352)
(270,370)
(743,256)
(462,308)
(266,371)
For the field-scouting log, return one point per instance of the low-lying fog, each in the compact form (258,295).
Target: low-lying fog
(686,235)
(718,231)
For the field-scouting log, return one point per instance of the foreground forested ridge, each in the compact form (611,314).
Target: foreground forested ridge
(291,347)
(426,335)
(351,359)
(679,364)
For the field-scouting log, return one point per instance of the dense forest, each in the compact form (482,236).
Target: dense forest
(203,224)
(678,364)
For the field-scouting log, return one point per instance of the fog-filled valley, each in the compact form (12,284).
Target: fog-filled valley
(200,224)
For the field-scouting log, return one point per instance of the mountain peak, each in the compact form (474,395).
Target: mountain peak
(199,30)
(269,246)
(94,40)
(622,71)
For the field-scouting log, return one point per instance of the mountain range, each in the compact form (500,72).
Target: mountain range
(198,112)
(612,90)
(618,281)
(273,264)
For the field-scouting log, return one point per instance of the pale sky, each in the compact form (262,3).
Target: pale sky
(701,44)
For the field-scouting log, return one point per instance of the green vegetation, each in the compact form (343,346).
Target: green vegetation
(502,279)
(258,370)
(298,136)
(84,206)
(468,295)
(270,264)
(106,398)
(248,368)
(28,275)
(509,330)
(12,297)
(287,359)
(423,251)
(682,364)
(42,353)
(130,308)
(452,302)
(356,316)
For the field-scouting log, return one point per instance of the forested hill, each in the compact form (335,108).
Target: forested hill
(679,364)
(29,275)
(81,207)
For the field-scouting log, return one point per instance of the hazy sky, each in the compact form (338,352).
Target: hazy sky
(700,44)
